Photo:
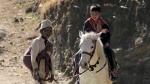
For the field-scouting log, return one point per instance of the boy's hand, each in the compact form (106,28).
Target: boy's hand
(104,30)
(106,45)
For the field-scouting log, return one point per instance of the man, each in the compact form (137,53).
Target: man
(38,58)
(96,24)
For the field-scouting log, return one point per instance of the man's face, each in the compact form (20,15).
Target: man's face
(95,15)
(46,32)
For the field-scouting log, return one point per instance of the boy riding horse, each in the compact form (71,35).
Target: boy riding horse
(96,24)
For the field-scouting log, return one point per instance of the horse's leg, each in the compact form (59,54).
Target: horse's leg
(82,80)
(27,62)
(36,82)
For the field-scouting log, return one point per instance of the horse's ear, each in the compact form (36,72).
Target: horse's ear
(80,33)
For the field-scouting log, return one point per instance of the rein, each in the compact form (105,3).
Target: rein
(102,67)
(77,74)
(92,53)
(92,66)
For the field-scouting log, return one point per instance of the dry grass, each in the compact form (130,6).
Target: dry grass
(50,3)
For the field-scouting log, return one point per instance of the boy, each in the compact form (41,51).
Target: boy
(96,24)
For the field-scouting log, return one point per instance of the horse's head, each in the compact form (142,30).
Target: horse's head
(87,47)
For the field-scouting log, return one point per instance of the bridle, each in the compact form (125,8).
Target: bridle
(91,54)
(91,67)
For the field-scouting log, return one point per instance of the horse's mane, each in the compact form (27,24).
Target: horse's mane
(94,36)
(89,35)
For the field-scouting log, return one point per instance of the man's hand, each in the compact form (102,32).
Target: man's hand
(36,74)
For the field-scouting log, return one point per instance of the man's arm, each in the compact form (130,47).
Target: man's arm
(49,48)
(34,53)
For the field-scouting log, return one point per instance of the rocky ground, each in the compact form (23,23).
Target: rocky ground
(16,34)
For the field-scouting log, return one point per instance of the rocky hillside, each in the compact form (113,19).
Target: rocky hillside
(128,19)
(129,22)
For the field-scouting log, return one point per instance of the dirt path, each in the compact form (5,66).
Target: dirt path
(13,43)
(11,47)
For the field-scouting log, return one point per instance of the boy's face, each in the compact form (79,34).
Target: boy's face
(95,15)
(46,32)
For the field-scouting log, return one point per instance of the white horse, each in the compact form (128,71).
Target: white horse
(93,63)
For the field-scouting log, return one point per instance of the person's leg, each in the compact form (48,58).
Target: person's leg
(113,65)
(27,62)
(110,57)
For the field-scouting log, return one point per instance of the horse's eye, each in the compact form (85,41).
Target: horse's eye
(92,47)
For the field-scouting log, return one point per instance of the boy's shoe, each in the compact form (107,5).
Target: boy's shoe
(113,76)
